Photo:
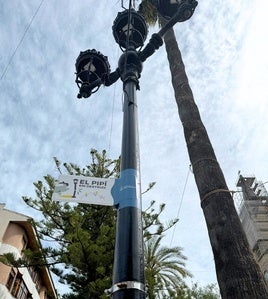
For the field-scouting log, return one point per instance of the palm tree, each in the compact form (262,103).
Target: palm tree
(164,269)
(238,274)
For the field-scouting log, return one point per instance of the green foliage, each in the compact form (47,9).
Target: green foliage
(210,291)
(164,269)
(30,258)
(9,260)
(151,221)
(79,238)
(149,11)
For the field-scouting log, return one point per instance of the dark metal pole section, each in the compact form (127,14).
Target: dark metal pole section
(93,70)
(128,279)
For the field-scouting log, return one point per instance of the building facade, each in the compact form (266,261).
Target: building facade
(17,234)
(253,213)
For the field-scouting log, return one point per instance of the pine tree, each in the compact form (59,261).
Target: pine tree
(83,235)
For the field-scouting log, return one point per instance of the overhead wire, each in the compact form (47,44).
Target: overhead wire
(21,40)
(112,121)
(180,205)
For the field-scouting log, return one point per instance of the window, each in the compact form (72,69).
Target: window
(11,279)
(23,292)
(24,242)
(17,286)
(38,283)
(33,273)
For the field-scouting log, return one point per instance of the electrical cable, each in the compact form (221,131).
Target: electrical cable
(112,120)
(21,40)
(182,196)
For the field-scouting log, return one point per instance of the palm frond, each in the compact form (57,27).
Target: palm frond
(149,11)
(165,267)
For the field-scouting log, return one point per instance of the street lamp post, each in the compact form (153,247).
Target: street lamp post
(128,278)
(93,70)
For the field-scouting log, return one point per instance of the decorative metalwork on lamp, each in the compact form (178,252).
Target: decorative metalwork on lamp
(92,68)
(130,29)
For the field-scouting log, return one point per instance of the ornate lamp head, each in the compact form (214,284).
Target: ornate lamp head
(130,28)
(91,68)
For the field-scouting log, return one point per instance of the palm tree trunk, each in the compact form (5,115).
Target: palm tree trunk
(238,274)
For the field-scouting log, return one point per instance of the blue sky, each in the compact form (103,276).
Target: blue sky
(224,47)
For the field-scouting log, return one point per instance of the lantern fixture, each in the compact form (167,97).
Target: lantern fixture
(130,29)
(169,8)
(92,68)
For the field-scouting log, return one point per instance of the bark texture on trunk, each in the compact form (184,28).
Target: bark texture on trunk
(238,274)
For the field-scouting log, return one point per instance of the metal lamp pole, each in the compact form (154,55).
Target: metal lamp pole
(128,279)
(93,70)
(130,32)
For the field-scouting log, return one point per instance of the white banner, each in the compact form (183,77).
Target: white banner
(84,189)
